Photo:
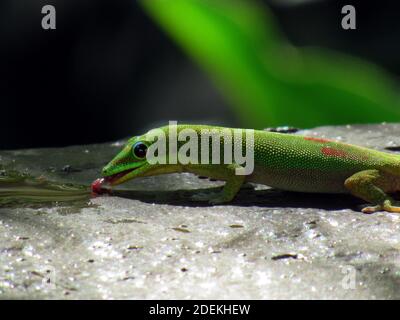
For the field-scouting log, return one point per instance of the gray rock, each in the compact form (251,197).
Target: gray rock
(149,241)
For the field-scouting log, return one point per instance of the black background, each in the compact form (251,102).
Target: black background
(108,71)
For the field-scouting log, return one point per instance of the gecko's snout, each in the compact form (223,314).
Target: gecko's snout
(107,169)
(104,171)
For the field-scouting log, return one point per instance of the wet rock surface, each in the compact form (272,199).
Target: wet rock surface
(148,241)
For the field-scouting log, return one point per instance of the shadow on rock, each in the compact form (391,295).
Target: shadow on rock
(247,198)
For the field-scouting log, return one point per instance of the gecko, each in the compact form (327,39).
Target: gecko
(284,161)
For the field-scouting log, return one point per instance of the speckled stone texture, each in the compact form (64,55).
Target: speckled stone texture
(148,241)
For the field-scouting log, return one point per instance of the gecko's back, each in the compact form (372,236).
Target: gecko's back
(300,163)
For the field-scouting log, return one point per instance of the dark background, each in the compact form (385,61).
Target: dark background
(108,71)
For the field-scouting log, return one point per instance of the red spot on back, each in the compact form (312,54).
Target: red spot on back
(316,139)
(332,152)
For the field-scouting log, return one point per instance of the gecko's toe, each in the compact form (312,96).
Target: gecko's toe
(386,206)
(200,197)
(372,209)
(391,208)
(211,198)
(219,199)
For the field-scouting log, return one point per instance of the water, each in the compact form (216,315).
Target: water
(23,189)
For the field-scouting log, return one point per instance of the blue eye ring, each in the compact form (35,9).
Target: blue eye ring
(139,150)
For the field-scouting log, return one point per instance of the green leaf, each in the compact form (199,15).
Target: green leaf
(267,81)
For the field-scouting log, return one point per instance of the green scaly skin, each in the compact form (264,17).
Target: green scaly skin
(284,161)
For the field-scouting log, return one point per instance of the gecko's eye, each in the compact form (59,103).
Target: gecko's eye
(139,150)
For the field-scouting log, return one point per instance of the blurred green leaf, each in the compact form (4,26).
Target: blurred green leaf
(268,81)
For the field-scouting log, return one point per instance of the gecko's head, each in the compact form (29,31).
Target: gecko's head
(129,163)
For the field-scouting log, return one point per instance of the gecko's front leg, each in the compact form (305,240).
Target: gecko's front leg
(221,172)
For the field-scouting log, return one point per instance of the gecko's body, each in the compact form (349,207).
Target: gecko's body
(284,161)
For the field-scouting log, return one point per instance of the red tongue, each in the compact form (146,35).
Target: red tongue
(97,186)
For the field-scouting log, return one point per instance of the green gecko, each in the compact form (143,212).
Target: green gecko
(284,161)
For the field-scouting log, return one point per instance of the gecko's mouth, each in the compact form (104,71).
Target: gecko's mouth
(115,178)
(112,180)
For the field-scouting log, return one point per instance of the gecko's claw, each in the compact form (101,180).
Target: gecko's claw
(371,209)
(386,206)
(213,198)
(218,199)
(201,196)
